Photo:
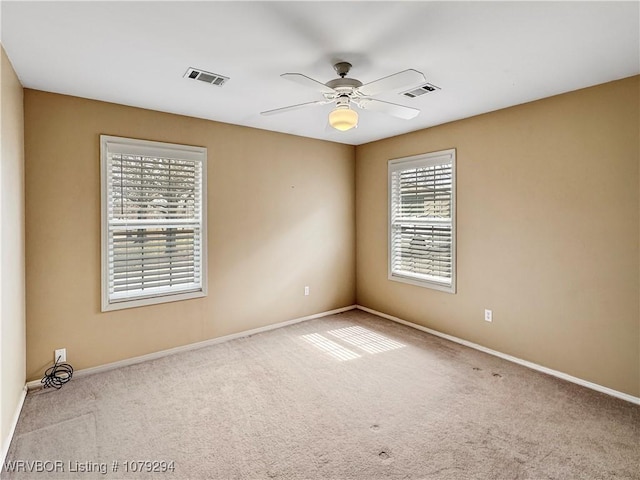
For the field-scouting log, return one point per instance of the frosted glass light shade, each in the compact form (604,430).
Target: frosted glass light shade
(343,118)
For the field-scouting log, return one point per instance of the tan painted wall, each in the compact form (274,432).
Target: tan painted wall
(12,275)
(281,215)
(548,229)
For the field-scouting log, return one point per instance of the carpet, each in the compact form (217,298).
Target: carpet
(348,396)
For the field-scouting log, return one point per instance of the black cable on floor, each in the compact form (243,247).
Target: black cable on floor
(57,375)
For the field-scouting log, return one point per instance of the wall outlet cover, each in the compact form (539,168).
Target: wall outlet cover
(60,353)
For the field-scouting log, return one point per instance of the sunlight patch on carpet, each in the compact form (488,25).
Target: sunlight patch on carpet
(332,348)
(365,339)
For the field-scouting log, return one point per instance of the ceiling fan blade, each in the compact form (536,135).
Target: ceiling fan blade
(393,109)
(308,82)
(404,79)
(295,107)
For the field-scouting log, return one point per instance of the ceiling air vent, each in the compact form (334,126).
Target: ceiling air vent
(421,90)
(206,77)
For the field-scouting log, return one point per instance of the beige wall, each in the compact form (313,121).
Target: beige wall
(281,215)
(548,229)
(12,286)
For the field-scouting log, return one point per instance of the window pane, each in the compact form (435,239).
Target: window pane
(151,258)
(424,250)
(161,188)
(424,192)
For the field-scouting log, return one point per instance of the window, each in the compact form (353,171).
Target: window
(153,222)
(422,220)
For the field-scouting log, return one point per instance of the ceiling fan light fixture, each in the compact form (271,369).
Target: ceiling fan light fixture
(343,118)
(345,92)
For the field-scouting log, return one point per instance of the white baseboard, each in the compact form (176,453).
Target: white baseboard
(533,366)
(194,346)
(14,423)
(35,384)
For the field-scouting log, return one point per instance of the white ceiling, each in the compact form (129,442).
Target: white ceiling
(483,55)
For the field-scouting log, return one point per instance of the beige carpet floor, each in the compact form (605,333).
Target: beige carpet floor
(350,396)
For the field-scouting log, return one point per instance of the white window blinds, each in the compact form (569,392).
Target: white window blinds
(154,245)
(422,220)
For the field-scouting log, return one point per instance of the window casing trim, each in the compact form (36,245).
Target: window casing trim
(120,145)
(414,161)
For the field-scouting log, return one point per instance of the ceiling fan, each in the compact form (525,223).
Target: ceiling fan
(345,92)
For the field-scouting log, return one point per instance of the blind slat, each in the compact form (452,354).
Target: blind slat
(152,270)
(167,278)
(142,286)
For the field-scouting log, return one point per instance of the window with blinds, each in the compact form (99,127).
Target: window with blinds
(422,220)
(153,222)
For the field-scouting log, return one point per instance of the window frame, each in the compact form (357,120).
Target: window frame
(112,144)
(415,161)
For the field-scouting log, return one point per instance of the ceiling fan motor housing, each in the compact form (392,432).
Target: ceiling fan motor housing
(344,86)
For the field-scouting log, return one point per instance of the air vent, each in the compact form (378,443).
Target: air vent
(421,90)
(206,77)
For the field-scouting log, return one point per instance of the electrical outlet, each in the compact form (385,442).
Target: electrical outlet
(488,315)
(306,290)
(60,353)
